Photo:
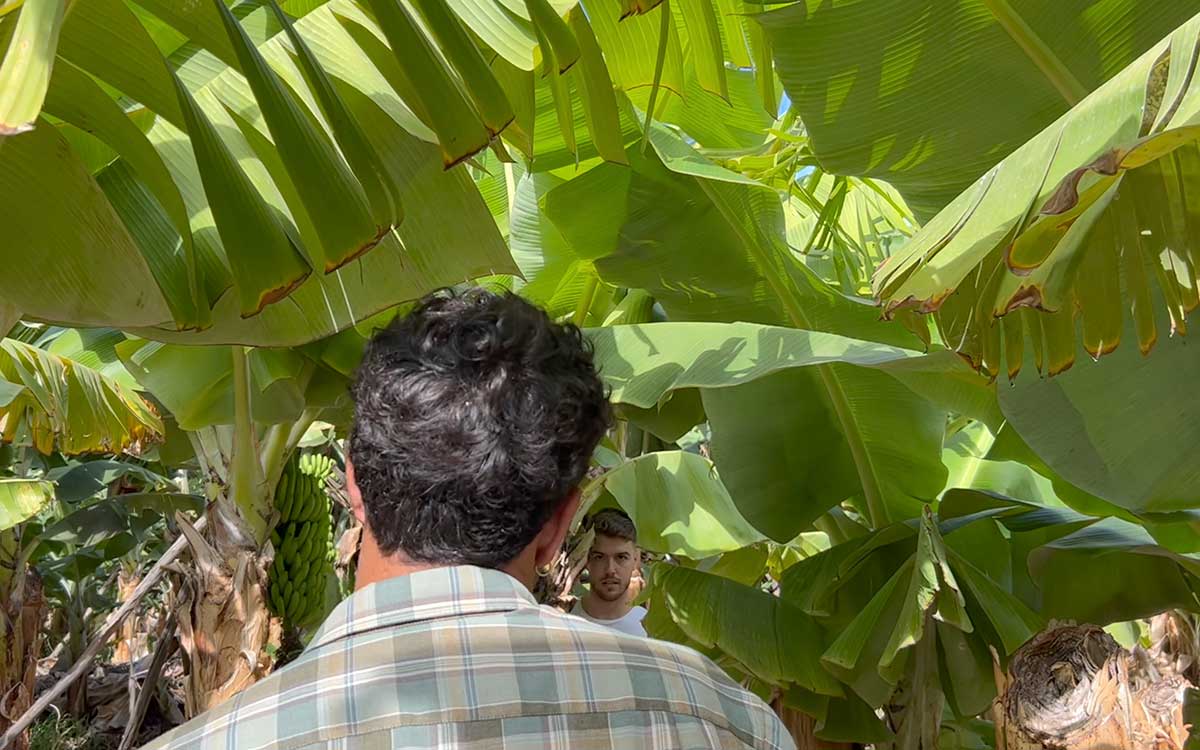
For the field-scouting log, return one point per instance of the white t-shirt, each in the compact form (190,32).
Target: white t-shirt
(631,623)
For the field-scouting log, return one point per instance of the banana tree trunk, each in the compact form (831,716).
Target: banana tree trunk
(24,611)
(1176,636)
(1075,688)
(225,630)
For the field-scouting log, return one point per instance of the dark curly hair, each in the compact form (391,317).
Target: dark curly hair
(475,416)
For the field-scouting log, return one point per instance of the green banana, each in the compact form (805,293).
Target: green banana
(304,540)
(304,551)
(283,498)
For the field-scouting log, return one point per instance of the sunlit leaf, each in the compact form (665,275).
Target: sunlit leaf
(65,406)
(679,505)
(21,499)
(931,98)
(26,68)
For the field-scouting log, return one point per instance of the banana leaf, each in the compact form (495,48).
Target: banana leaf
(1089,225)
(716,611)
(679,505)
(220,156)
(710,245)
(54,403)
(21,499)
(931,97)
(1106,428)
(77,482)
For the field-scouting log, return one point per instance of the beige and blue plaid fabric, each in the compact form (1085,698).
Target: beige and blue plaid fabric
(463,658)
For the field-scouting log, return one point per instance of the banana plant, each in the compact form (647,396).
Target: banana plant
(241,427)
(1089,219)
(49,404)
(909,618)
(240,156)
(106,519)
(1081,236)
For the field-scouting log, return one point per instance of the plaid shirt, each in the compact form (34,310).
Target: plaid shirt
(464,658)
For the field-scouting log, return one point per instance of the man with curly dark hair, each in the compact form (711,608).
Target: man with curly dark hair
(475,419)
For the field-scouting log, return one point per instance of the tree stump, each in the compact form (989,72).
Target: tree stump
(1074,688)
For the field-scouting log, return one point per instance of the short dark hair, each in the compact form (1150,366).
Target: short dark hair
(475,415)
(614,522)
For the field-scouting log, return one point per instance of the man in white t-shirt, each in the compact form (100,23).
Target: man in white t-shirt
(613,562)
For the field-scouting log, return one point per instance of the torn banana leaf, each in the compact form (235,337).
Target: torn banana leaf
(1087,223)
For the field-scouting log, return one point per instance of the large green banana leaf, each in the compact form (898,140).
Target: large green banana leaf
(971,465)
(195,383)
(679,505)
(53,403)
(285,156)
(715,611)
(1093,219)
(284,148)
(643,364)
(998,461)
(1054,550)
(1110,429)
(1141,578)
(930,95)
(711,245)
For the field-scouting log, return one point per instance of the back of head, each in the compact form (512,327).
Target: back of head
(475,417)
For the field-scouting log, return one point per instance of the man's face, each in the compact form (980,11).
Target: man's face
(611,563)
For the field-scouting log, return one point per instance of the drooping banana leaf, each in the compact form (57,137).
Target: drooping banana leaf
(1090,224)
(1054,550)
(54,403)
(714,610)
(27,64)
(1141,577)
(679,505)
(134,217)
(79,481)
(1110,429)
(929,97)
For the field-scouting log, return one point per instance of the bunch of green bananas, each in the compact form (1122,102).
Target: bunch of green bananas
(303,539)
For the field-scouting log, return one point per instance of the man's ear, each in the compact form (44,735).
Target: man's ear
(356,502)
(556,529)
